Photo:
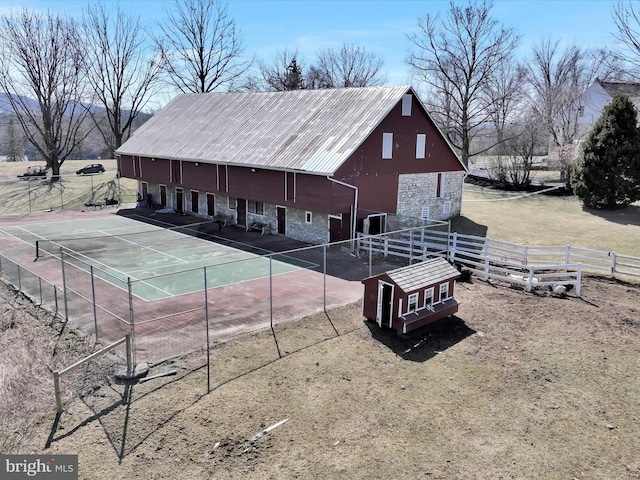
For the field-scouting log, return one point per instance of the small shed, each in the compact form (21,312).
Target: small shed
(410,297)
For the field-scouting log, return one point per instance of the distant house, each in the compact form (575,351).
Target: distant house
(314,165)
(410,297)
(599,95)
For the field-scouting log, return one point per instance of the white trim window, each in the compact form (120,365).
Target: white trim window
(444,291)
(412,303)
(428,297)
(233,203)
(387,146)
(446,208)
(256,207)
(308,217)
(424,213)
(421,145)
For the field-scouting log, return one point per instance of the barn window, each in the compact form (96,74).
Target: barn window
(412,303)
(428,297)
(387,145)
(308,217)
(444,291)
(406,105)
(421,145)
(440,186)
(233,203)
(256,207)
(424,213)
(446,208)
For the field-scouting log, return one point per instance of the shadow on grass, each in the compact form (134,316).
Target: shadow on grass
(426,342)
(624,216)
(464,225)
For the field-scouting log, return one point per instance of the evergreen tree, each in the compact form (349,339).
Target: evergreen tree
(293,79)
(607,171)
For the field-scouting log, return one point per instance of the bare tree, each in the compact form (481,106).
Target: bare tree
(349,66)
(201,47)
(504,94)
(524,139)
(41,71)
(284,72)
(122,72)
(557,78)
(455,56)
(626,16)
(13,141)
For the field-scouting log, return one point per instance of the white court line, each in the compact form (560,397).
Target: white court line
(145,247)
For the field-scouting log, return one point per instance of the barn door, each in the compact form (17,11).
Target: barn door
(281,213)
(335,229)
(385,304)
(179,201)
(242,212)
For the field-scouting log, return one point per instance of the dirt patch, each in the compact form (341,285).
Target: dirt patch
(518,385)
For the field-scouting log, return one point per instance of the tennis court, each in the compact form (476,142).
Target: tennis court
(159,262)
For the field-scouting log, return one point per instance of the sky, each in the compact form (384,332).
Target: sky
(380,26)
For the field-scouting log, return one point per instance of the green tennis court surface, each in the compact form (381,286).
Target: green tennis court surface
(159,262)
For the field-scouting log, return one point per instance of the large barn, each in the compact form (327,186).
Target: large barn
(312,164)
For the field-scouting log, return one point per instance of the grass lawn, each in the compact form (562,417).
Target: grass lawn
(547,220)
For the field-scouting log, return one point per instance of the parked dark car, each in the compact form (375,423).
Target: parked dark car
(93,168)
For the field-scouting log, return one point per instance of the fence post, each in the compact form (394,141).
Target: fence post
(567,254)
(530,279)
(614,260)
(19,279)
(411,249)
(578,279)
(132,330)
(64,287)
(56,386)
(525,255)
(40,289)
(452,248)
(129,349)
(486,268)
(93,300)
(206,324)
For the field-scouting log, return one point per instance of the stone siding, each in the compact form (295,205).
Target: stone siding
(416,191)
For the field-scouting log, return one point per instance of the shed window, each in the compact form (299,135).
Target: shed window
(444,291)
(387,145)
(428,297)
(421,145)
(233,203)
(406,105)
(256,207)
(412,303)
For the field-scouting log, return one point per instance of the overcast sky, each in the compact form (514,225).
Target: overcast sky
(378,25)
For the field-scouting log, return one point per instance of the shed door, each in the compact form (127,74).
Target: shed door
(385,304)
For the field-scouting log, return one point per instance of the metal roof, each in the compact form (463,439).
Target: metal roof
(423,274)
(313,131)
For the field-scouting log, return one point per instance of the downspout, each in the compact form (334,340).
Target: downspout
(352,233)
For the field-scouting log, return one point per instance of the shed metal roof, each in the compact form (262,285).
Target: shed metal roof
(313,131)
(420,275)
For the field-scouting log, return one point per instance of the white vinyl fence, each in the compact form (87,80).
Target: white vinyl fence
(525,265)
